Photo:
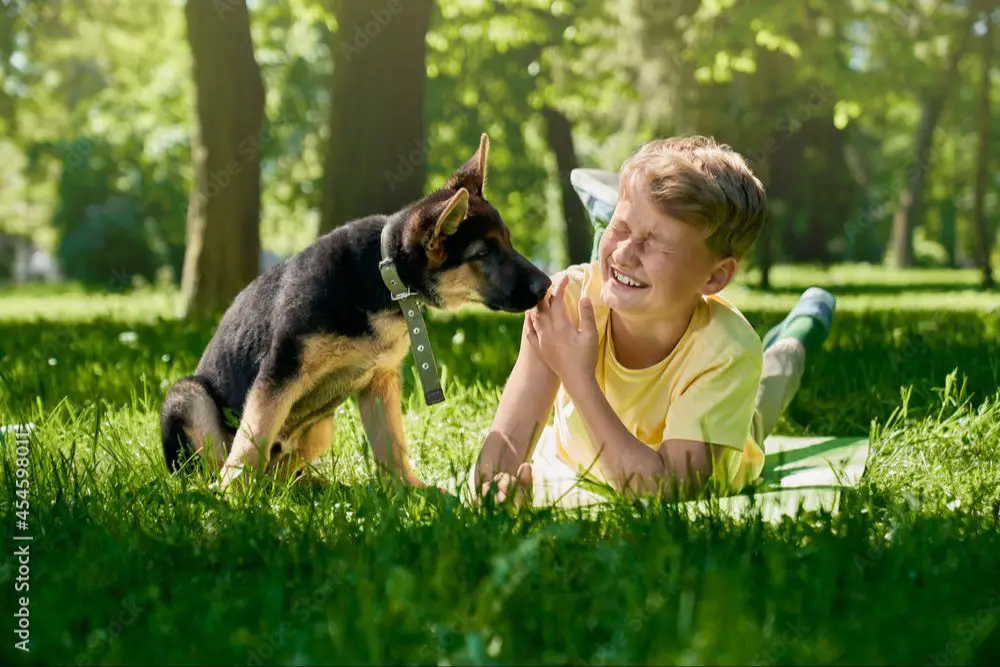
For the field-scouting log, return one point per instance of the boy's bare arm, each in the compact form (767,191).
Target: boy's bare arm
(628,462)
(524,407)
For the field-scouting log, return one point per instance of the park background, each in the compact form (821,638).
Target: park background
(156,156)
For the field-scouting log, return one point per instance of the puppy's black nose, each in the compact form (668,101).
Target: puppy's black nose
(539,285)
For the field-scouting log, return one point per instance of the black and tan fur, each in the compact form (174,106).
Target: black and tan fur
(321,327)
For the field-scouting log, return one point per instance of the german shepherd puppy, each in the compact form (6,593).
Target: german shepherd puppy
(321,326)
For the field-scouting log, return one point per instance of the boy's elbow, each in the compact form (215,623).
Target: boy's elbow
(685,468)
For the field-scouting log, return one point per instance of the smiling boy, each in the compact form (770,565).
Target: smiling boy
(656,384)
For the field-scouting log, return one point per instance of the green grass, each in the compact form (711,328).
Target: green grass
(128,565)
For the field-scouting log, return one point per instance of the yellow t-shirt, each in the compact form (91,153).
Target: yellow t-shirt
(705,390)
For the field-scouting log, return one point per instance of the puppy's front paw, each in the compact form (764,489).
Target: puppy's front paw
(233,479)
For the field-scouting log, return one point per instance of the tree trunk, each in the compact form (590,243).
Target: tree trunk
(786,203)
(765,242)
(579,231)
(984,242)
(832,204)
(375,151)
(903,221)
(223,244)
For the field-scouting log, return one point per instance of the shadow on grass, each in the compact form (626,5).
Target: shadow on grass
(810,456)
(874,290)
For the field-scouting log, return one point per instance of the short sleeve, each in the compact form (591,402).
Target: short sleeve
(717,405)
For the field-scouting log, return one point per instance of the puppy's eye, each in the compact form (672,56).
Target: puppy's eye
(481,253)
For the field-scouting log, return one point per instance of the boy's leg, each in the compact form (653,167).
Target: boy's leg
(786,347)
(784,363)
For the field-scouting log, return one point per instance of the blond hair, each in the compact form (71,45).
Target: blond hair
(698,181)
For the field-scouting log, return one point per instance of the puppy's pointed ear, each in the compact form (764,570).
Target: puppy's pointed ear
(472,174)
(455,211)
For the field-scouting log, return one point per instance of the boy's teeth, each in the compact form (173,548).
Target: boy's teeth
(622,278)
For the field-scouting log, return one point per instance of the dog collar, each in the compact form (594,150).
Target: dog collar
(420,342)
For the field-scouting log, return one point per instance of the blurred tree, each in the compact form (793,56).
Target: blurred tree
(764,79)
(570,83)
(292,45)
(823,98)
(578,229)
(223,244)
(495,67)
(933,99)
(376,149)
(71,72)
(983,235)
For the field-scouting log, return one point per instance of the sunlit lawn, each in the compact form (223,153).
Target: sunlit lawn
(129,565)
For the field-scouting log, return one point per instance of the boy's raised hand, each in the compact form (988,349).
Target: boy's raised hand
(569,350)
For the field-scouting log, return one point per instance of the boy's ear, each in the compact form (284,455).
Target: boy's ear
(455,211)
(472,175)
(721,276)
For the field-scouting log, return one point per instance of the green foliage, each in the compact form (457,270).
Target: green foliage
(119,215)
(824,98)
(109,232)
(138,566)
(891,330)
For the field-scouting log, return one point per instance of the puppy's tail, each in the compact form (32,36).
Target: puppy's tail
(191,422)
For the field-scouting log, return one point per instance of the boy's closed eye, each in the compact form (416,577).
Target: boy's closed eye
(651,240)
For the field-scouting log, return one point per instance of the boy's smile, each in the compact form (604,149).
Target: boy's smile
(625,280)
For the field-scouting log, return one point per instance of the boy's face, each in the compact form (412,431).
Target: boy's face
(654,265)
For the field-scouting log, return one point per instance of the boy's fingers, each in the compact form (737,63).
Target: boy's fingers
(532,334)
(558,312)
(524,475)
(587,320)
(543,305)
(502,482)
(522,485)
(561,285)
(560,289)
(540,322)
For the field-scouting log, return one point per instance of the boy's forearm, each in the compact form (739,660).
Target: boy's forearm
(524,408)
(506,449)
(629,463)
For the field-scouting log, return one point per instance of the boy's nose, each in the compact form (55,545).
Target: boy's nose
(625,254)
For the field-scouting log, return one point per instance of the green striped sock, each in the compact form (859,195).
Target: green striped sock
(807,330)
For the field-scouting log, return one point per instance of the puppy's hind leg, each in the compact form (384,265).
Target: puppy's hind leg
(308,447)
(282,378)
(191,423)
